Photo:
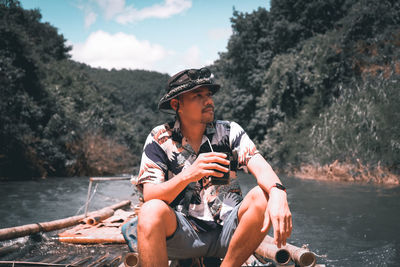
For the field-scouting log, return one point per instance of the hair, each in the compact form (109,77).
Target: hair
(177,106)
(177,109)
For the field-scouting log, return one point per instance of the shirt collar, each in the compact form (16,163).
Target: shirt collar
(177,133)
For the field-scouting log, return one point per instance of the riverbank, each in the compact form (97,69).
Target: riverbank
(347,172)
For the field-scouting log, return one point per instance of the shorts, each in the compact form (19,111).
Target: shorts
(187,243)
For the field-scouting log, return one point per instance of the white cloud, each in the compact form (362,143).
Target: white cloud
(127,14)
(120,12)
(118,51)
(186,59)
(90,18)
(111,7)
(219,34)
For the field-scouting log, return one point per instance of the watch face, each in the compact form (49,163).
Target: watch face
(281,187)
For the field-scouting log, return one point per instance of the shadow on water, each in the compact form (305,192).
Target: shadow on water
(351,224)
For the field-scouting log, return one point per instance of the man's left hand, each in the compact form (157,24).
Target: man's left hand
(279,213)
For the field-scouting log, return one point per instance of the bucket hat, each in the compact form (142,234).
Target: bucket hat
(185,81)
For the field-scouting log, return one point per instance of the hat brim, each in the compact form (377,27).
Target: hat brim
(164,104)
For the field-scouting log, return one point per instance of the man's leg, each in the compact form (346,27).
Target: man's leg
(156,222)
(248,235)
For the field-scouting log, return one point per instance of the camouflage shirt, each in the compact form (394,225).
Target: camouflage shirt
(166,153)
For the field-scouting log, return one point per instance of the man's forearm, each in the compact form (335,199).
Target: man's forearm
(207,164)
(166,191)
(262,171)
(277,212)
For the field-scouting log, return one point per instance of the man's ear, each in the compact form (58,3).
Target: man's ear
(174,104)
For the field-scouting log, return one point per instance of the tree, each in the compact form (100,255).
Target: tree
(302,66)
(25,105)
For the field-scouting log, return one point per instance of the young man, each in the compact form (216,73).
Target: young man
(187,213)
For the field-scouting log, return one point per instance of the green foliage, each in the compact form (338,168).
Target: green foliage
(137,93)
(101,108)
(311,82)
(361,124)
(59,117)
(298,20)
(326,90)
(257,39)
(25,47)
(247,56)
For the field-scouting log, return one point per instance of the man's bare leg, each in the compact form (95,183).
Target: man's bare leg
(156,221)
(248,235)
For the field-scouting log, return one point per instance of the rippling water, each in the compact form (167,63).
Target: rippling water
(346,224)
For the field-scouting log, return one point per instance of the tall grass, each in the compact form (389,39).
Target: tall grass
(363,123)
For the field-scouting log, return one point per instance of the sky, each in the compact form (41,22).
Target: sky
(158,35)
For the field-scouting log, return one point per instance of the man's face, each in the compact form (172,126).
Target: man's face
(196,106)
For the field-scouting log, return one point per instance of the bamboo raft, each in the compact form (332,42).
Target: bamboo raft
(95,239)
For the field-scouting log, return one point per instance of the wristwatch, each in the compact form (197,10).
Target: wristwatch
(279,186)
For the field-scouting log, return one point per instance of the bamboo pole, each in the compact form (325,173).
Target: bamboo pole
(301,256)
(24,230)
(99,261)
(80,262)
(116,261)
(99,216)
(131,259)
(271,251)
(11,248)
(32,263)
(117,239)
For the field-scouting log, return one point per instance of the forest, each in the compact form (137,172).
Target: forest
(314,83)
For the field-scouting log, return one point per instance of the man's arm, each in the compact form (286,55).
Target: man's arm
(205,165)
(278,208)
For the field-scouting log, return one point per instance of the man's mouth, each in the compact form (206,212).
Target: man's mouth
(209,109)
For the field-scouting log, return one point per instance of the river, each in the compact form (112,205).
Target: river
(345,224)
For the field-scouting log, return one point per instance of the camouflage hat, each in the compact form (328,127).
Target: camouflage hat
(185,81)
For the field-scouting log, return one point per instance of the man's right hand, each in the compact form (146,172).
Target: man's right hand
(206,165)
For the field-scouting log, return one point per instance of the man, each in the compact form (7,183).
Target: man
(187,215)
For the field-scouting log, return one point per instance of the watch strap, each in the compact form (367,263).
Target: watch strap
(277,185)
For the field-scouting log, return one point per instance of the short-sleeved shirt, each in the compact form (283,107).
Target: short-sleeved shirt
(166,153)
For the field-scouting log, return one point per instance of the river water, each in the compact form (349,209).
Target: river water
(345,224)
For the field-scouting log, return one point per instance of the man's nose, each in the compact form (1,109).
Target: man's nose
(208,100)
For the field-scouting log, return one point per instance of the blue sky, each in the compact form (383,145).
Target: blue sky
(161,35)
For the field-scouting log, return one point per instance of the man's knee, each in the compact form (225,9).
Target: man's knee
(256,201)
(155,214)
(152,211)
(259,198)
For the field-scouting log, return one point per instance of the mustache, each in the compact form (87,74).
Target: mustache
(208,107)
